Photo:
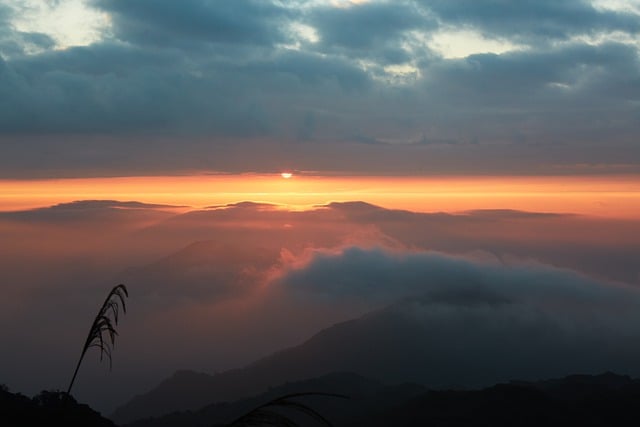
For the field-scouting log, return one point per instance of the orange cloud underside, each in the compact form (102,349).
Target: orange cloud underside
(605,196)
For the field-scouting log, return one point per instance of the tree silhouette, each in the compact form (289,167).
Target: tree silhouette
(102,325)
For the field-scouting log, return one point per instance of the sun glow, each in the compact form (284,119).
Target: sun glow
(613,196)
(286,175)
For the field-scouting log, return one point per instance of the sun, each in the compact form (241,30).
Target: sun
(286,175)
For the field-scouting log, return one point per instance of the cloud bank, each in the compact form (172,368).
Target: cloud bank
(380,274)
(465,322)
(290,76)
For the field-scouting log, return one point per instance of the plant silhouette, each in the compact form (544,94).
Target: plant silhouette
(102,335)
(265,415)
(104,324)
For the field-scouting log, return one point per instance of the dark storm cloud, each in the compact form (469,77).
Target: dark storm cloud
(166,22)
(540,20)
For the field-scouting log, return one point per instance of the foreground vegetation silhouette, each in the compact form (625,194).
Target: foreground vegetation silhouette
(265,415)
(605,400)
(602,400)
(103,324)
(48,408)
(60,408)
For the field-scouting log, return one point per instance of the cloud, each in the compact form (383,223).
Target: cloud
(532,21)
(14,42)
(118,89)
(380,274)
(192,22)
(315,71)
(562,240)
(375,30)
(569,74)
(478,322)
(214,80)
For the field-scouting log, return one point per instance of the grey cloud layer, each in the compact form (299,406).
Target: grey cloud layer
(179,24)
(527,21)
(231,70)
(378,273)
(508,321)
(376,31)
(14,42)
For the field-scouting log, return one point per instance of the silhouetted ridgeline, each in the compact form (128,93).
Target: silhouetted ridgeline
(600,400)
(406,342)
(49,408)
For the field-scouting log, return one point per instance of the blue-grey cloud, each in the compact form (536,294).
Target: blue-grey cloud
(189,22)
(541,20)
(540,78)
(237,74)
(113,87)
(386,275)
(562,95)
(14,42)
(374,30)
(478,322)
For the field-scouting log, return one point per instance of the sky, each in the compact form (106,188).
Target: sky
(140,87)
(432,145)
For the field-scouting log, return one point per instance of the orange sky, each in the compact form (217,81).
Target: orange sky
(604,196)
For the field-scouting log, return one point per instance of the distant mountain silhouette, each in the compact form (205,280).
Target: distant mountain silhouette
(601,400)
(604,400)
(582,386)
(591,400)
(358,388)
(203,269)
(47,408)
(396,345)
(91,212)
(322,354)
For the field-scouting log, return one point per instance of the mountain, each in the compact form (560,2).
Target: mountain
(595,400)
(467,339)
(322,354)
(582,386)
(203,269)
(605,400)
(47,408)
(361,393)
